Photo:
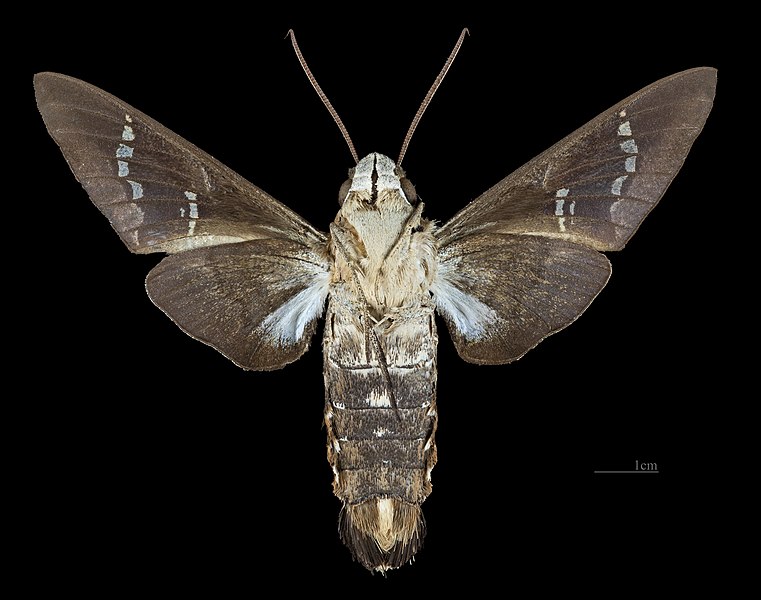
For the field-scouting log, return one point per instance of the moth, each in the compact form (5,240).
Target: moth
(251,278)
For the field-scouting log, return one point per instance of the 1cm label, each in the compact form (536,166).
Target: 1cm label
(645,466)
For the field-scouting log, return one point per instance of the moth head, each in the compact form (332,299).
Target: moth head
(376,182)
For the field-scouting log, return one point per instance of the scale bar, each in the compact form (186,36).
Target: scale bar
(627,471)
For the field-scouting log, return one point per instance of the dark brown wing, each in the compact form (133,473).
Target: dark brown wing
(502,294)
(256,302)
(247,276)
(520,262)
(597,185)
(160,192)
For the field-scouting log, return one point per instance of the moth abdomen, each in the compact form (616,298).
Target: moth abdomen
(382,457)
(381,425)
(381,451)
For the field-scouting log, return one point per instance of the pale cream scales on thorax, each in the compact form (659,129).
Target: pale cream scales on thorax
(380,239)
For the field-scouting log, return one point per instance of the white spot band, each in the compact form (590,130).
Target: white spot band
(124,151)
(625,128)
(617,183)
(137,189)
(629,146)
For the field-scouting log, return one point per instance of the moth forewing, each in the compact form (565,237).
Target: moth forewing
(595,186)
(159,191)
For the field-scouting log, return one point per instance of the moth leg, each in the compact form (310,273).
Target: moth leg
(384,369)
(342,243)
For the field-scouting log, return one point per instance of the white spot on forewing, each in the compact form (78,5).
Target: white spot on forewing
(193,210)
(466,312)
(191,195)
(128,135)
(126,216)
(629,146)
(630,164)
(128,118)
(286,324)
(625,128)
(182,211)
(562,192)
(123,168)
(191,227)
(617,183)
(124,151)
(137,189)
(617,211)
(379,399)
(560,207)
(622,114)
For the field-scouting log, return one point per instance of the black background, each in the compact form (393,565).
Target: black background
(158,464)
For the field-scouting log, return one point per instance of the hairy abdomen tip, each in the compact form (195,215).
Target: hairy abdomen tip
(382,533)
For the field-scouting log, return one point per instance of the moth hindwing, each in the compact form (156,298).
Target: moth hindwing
(250,277)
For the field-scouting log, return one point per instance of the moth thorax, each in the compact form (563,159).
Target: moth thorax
(382,533)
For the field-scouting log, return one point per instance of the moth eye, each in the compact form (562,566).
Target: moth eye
(409,190)
(343,192)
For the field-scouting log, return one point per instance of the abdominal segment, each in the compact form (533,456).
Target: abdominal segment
(380,414)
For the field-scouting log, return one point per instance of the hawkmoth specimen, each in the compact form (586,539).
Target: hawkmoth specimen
(251,278)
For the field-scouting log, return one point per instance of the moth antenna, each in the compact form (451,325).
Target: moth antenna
(323,97)
(429,95)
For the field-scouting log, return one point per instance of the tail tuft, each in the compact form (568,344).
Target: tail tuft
(382,533)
